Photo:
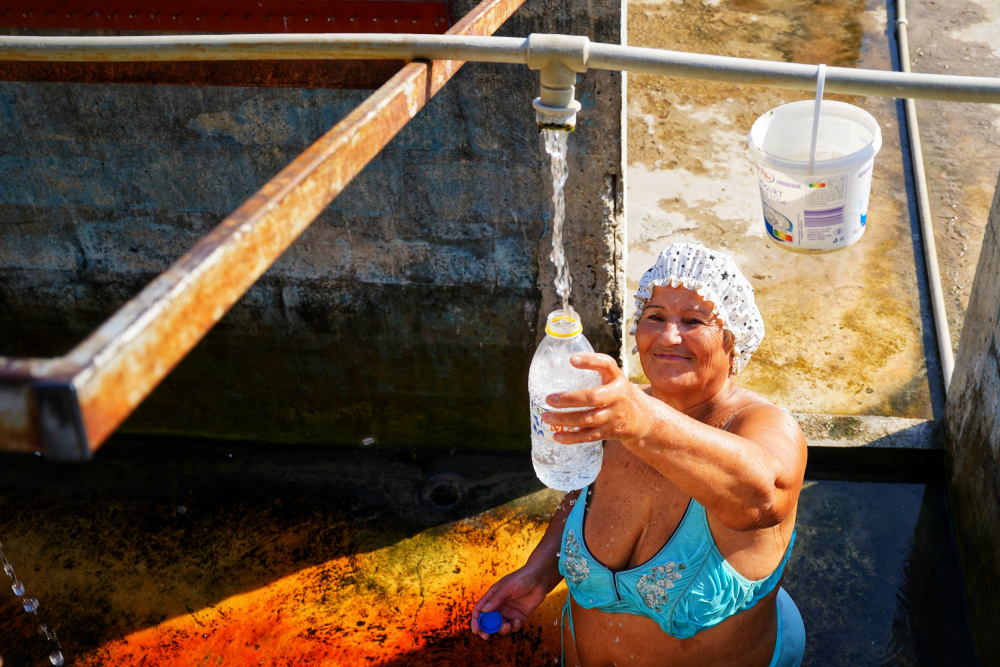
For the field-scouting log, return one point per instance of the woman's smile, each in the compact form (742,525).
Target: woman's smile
(671,356)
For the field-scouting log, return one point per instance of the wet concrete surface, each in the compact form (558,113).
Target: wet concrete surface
(168,552)
(850,332)
(173,552)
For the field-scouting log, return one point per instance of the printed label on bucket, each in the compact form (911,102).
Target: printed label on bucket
(815,213)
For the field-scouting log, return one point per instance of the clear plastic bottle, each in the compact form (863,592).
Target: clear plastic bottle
(559,466)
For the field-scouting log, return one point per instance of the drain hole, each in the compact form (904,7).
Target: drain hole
(445,495)
(444,491)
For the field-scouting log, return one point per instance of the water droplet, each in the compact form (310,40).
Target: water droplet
(612,539)
(18,588)
(558,554)
(616,640)
(30,604)
(181,509)
(56,658)
(591,600)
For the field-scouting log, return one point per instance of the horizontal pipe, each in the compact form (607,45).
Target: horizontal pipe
(153,48)
(511,50)
(795,76)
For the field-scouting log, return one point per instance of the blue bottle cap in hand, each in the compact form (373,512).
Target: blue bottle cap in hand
(490,622)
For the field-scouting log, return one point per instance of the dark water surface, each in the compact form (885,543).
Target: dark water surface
(875,573)
(161,541)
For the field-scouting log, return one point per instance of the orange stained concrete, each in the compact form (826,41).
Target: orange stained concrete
(405,604)
(204,554)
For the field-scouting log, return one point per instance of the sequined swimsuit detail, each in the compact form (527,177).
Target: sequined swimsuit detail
(686,587)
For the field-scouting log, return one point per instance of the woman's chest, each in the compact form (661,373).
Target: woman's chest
(631,512)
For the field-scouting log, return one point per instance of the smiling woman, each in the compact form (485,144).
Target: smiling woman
(674,555)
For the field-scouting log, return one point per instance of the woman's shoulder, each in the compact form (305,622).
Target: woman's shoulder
(757,411)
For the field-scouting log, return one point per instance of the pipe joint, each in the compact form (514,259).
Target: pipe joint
(571,51)
(558,59)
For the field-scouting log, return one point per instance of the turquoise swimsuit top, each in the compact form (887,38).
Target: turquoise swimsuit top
(686,587)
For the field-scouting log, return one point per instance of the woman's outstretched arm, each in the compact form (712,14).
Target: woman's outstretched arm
(748,477)
(519,593)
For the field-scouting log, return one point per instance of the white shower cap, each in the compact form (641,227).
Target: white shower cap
(713,275)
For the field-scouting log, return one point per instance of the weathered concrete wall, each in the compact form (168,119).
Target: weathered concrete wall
(408,311)
(972,429)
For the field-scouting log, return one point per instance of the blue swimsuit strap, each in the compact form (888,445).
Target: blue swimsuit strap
(567,612)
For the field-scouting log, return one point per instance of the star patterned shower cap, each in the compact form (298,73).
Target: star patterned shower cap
(713,275)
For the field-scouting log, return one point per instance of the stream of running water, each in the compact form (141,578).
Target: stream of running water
(555,145)
(30,605)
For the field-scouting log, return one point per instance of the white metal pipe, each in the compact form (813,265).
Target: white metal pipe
(923,206)
(875,83)
(149,48)
(499,50)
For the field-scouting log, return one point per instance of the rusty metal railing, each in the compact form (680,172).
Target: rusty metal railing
(67,407)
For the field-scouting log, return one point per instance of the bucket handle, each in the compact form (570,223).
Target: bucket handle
(820,84)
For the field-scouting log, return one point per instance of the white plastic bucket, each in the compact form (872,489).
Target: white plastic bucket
(824,209)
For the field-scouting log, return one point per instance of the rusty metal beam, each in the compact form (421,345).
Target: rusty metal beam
(352,74)
(75,402)
(239,16)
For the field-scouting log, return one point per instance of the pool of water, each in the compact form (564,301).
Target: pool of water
(166,551)
(875,572)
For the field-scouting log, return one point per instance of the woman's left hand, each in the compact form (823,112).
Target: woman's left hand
(618,409)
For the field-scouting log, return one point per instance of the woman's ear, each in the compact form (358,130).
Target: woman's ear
(729,346)
(728,340)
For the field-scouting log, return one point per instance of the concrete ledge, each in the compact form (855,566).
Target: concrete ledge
(870,432)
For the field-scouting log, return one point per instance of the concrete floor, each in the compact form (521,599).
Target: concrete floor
(849,332)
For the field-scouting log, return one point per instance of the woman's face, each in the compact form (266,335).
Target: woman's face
(682,345)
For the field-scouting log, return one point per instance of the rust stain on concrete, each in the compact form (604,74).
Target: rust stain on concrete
(169,552)
(406,604)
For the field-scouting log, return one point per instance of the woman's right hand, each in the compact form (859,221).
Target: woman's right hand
(515,596)
(614,410)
